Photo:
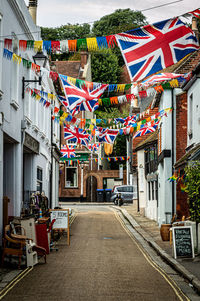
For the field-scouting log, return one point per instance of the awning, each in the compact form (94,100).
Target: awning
(191,155)
(79,156)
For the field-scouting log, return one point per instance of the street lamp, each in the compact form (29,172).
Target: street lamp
(39,59)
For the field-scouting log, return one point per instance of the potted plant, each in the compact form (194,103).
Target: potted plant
(192,187)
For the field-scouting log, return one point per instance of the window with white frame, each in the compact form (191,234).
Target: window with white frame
(39,179)
(71,174)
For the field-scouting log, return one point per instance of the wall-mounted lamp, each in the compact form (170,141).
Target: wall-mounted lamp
(39,59)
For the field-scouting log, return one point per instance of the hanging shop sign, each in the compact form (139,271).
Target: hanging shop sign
(31,143)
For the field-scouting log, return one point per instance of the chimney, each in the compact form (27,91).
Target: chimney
(195,28)
(32,7)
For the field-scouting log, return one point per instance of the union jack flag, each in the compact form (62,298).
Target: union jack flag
(151,48)
(106,135)
(76,135)
(68,151)
(81,99)
(93,147)
(146,129)
(161,77)
(195,13)
(127,121)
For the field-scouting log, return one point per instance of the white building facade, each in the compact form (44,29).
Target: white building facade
(29,139)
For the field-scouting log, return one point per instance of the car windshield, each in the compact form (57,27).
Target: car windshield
(125,189)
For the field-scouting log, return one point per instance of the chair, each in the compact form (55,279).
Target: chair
(13,246)
(14,243)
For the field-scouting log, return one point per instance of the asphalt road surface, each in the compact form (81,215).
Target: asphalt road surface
(101,263)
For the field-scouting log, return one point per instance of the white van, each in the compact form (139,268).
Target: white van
(128,193)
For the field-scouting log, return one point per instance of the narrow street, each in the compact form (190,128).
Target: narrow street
(102,263)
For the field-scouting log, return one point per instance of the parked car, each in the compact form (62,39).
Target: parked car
(128,193)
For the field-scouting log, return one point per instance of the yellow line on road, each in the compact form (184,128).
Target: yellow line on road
(14,282)
(171,282)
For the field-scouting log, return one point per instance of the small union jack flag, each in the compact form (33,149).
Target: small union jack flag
(106,135)
(68,151)
(76,135)
(146,129)
(195,13)
(93,147)
(151,48)
(81,99)
(161,77)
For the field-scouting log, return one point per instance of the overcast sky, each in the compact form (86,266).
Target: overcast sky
(53,13)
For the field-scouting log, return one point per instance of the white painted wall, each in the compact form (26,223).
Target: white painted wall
(16,23)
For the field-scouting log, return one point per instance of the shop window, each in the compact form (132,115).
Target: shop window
(156,190)
(153,192)
(149,190)
(39,179)
(71,174)
(151,159)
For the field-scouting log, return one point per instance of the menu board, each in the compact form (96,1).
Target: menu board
(183,242)
(61,217)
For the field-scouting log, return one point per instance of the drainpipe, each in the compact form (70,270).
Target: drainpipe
(173,186)
(51,172)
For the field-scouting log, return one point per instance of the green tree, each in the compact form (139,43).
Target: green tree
(65,32)
(119,21)
(105,67)
(192,182)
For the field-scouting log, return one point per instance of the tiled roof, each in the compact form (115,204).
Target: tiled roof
(151,138)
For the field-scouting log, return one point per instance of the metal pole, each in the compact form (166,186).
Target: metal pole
(81,198)
(127,161)
(173,199)
(91,179)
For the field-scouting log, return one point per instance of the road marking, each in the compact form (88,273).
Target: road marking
(14,282)
(170,281)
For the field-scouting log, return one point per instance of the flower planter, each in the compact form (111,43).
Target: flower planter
(165,231)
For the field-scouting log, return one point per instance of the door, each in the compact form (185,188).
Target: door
(91,189)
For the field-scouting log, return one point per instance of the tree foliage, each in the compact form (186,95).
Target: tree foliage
(65,32)
(192,182)
(119,21)
(105,67)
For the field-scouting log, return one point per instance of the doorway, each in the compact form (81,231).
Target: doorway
(91,189)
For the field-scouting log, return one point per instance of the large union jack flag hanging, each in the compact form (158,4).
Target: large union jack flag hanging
(151,48)
(68,151)
(81,99)
(106,135)
(76,135)
(146,129)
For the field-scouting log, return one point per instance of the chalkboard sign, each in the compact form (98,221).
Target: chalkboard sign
(183,242)
(61,217)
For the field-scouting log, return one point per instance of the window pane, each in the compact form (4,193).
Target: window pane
(149,188)
(71,177)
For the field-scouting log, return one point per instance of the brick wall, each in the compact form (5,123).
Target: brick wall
(76,192)
(181,144)
(181,125)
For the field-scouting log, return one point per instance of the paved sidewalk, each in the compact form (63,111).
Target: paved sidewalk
(149,229)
